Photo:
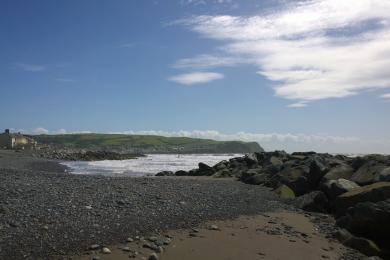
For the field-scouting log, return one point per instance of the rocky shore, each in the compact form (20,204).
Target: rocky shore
(47,213)
(355,190)
(83,155)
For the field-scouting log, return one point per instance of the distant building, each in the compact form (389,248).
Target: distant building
(16,141)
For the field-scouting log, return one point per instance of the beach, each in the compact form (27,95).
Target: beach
(48,213)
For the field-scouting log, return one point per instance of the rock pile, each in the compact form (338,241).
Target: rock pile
(355,189)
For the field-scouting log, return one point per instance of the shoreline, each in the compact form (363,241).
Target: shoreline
(50,214)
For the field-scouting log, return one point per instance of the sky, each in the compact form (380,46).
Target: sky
(292,75)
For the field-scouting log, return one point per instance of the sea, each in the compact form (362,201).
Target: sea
(149,165)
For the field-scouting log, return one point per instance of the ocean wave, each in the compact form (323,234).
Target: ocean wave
(146,166)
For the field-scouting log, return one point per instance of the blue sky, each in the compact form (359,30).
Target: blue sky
(293,75)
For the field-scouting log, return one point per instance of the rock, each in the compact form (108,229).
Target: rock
(222,165)
(295,178)
(153,256)
(371,193)
(342,235)
(285,192)
(367,172)
(165,173)
(181,173)
(363,245)
(314,201)
(213,227)
(129,239)
(95,257)
(371,220)
(256,179)
(339,172)
(106,250)
(223,173)
(334,188)
(126,249)
(383,175)
(153,238)
(205,170)
(94,247)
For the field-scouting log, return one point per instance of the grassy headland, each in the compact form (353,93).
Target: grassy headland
(146,143)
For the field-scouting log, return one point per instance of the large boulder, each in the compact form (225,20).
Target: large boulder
(375,192)
(383,175)
(285,192)
(365,246)
(342,171)
(295,178)
(315,201)
(334,188)
(205,170)
(371,220)
(367,172)
(256,179)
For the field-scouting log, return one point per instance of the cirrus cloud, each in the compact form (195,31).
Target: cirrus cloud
(196,78)
(311,50)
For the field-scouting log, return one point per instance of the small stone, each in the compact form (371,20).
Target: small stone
(94,247)
(106,250)
(88,207)
(95,257)
(167,241)
(153,256)
(152,239)
(46,227)
(129,240)
(126,249)
(213,227)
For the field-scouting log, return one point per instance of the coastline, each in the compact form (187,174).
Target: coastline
(50,214)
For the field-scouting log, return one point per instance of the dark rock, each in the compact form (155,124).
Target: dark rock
(165,173)
(371,193)
(367,172)
(315,201)
(371,220)
(339,172)
(205,170)
(334,188)
(256,179)
(363,245)
(181,173)
(383,175)
(295,178)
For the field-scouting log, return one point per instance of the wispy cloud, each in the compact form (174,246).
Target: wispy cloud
(209,61)
(386,96)
(312,50)
(298,105)
(30,67)
(196,78)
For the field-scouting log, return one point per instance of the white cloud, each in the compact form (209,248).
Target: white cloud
(30,67)
(298,105)
(196,78)
(386,96)
(208,61)
(40,131)
(312,50)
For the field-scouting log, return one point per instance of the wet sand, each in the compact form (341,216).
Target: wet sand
(283,235)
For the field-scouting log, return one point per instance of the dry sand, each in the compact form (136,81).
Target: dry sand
(282,235)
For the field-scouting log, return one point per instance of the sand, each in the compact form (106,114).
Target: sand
(283,235)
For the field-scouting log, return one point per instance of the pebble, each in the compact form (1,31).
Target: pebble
(129,240)
(94,247)
(126,249)
(153,256)
(106,250)
(213,227)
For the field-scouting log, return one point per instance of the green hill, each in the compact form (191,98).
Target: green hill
(146,143)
